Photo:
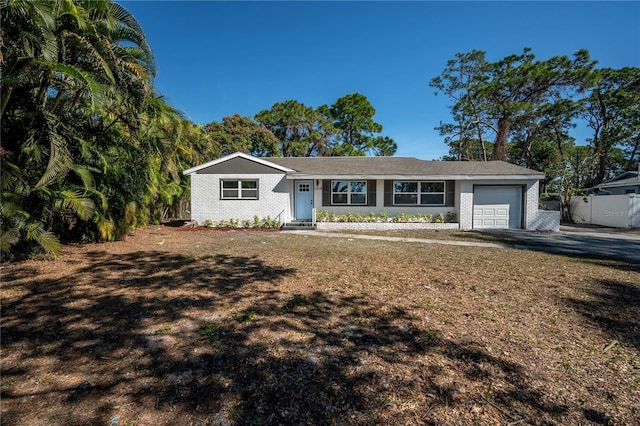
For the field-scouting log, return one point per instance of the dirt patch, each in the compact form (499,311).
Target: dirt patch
(170,327)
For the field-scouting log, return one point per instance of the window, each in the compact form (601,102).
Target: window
(348,192)
(304,187)
(239,189)
(418,193)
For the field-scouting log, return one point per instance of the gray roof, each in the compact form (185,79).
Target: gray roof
(399,166)
(631,181)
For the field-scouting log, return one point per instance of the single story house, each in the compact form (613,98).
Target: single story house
(492,194)
(625,183)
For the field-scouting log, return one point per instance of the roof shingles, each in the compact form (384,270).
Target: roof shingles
(336,166)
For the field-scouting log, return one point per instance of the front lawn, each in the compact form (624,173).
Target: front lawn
(205,327)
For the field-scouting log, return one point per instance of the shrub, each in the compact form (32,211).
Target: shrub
(210,332)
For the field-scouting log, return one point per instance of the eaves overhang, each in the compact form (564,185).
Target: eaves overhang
(237,155)
(300,176)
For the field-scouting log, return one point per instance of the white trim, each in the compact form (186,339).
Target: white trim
(296,176)
(349,193)
(239,189)
(231,157)
(296,202)
(419,193)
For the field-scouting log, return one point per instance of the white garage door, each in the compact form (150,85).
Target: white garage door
(497,206)
(491,216)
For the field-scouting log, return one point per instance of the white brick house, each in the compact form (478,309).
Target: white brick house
(491,194)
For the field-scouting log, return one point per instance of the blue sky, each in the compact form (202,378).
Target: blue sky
(216,58)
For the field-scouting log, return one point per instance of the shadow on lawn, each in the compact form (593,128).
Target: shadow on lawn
(318,360)
(614,307)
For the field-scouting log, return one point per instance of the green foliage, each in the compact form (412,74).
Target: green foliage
(517,94)
(164,328)
(301,130)
(400,218)
(208,223)
(211,332)
(89,150)
(611,111)
(529,108)
(269,223)
(345,128)
(352,116)
(383,217)
(246,315)
(241,134)
(322,215)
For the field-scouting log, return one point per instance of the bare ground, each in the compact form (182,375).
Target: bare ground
(203,327)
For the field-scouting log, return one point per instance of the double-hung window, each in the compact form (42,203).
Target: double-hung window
(237,189)
(419,193)
(345,192)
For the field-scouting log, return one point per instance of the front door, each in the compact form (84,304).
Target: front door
(304,199)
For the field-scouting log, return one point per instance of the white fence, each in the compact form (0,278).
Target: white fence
(617,211)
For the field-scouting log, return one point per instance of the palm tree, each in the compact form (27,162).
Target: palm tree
(73,73)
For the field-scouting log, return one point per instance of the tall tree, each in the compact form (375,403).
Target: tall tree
(508,93)
(460,81)
(88,148)
(237,133)
(612,111)
(301,130)
(352,116)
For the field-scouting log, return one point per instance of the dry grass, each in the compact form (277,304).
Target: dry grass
(445,235)
(226,328)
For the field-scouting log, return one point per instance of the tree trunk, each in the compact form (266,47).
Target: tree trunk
(603,156)
(482,144)
(500,147)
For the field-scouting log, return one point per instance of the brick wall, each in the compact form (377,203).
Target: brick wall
(546,220)
(377,225)
(273,199)
(531,197)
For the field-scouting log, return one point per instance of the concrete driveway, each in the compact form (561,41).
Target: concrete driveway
(593,241)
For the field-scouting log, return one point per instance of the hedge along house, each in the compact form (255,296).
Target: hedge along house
(492,194)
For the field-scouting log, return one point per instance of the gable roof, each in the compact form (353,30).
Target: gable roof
(398,166)
(231,157)
(381,167)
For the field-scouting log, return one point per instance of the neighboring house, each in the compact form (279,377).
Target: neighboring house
(492,194)
(626,183)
